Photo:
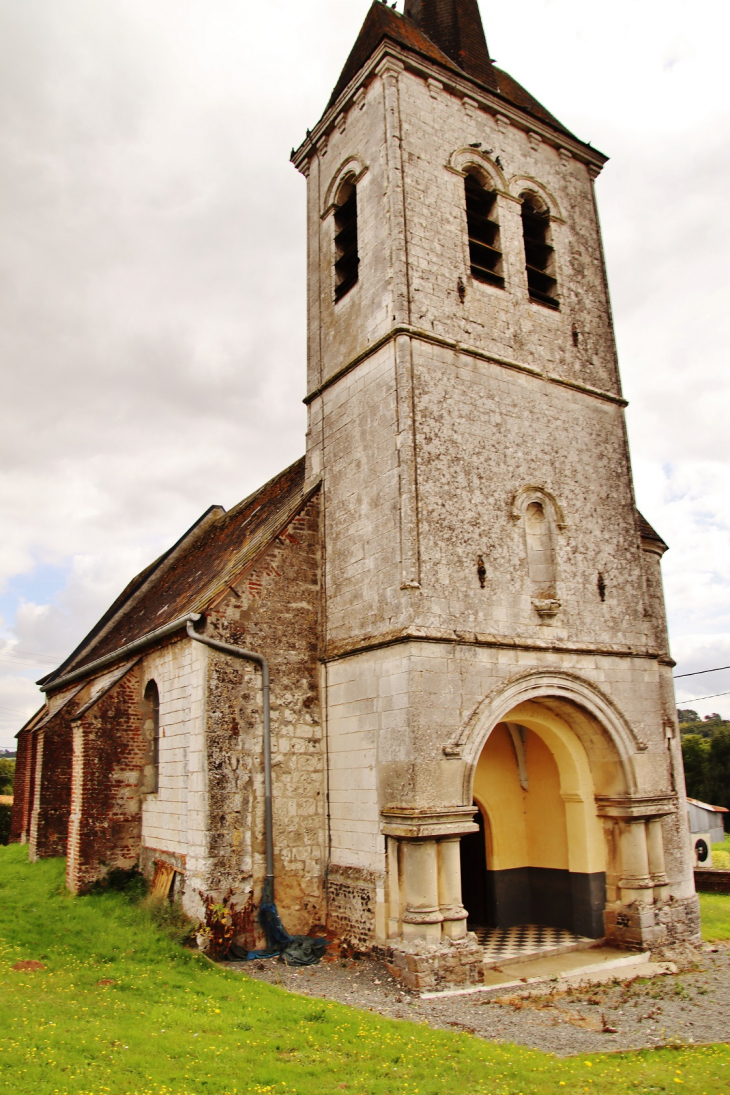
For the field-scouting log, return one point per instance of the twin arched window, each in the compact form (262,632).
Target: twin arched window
(485,250)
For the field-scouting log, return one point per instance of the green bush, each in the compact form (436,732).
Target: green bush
(7,775)
(5,812)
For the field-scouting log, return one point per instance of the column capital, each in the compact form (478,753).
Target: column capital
(427,823)
(636,807)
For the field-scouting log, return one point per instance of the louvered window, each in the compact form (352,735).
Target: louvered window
(346,256)
(539,253)
(485,253)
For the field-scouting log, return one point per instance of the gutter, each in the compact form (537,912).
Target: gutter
(260,660)
(123,652)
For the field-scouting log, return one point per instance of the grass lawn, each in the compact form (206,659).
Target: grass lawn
(721,853)
(120,1009)
(715,909)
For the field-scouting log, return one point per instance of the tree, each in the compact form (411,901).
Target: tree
(7,776)
(717,779)
(695,754)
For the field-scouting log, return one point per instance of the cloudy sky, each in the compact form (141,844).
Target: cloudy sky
(152,279)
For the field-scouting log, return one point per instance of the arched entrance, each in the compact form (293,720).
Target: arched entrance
(539,856)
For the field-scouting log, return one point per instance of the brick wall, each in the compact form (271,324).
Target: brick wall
(22,787)
(109,753)
(52,787)
(712,881)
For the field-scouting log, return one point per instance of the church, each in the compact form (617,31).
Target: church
(419,683)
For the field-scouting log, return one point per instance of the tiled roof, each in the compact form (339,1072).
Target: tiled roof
(198,572)
(455,26)
(460,36)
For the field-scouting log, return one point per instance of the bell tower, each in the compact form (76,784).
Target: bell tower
(467,424)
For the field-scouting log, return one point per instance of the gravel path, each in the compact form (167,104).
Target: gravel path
(690,1006)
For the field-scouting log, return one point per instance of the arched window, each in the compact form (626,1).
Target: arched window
(485,252)
(151,733)
(539,251)
(347,259)
(540,555)
(541,565)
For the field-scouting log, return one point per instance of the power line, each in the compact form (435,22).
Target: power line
(20,660)
(698,698)
(699,672)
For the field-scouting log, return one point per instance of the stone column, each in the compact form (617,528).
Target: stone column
(394,894)
(422,917)
(424,871)
(635,882)
(657,867)
(449,882)
(634,919)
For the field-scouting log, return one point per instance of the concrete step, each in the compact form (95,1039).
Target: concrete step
(609,963)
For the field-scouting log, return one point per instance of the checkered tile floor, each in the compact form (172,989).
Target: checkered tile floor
(503,943)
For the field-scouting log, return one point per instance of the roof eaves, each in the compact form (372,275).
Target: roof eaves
(32,721)
(649,535)
(134,591)
(459,82)
(107,686)
(708,806)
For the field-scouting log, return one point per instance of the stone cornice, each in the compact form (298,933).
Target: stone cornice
(461,86)
(348,648)
(636,806)
(432,339)
(427,822)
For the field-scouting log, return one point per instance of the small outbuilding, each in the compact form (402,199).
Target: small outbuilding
(707,827)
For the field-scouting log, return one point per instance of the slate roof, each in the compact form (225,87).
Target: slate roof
(195,570)
(457,30)
(648,533)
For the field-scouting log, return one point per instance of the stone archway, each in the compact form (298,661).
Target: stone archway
(545,854)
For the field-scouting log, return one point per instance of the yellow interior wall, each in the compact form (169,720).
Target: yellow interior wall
(554,823)
(547,831)
(586,843)
(497,790)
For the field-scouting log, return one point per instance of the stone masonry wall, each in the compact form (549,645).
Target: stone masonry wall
(175,817)
(272,609)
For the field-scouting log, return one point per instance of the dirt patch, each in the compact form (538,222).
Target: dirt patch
(27,966)
(688,1007)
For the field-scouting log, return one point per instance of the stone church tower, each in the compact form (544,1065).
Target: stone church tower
(499,708)
(457,605)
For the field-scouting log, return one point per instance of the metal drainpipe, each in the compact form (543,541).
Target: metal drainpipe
(248,655)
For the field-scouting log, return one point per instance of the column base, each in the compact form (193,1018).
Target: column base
(452,963)
(644,925)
